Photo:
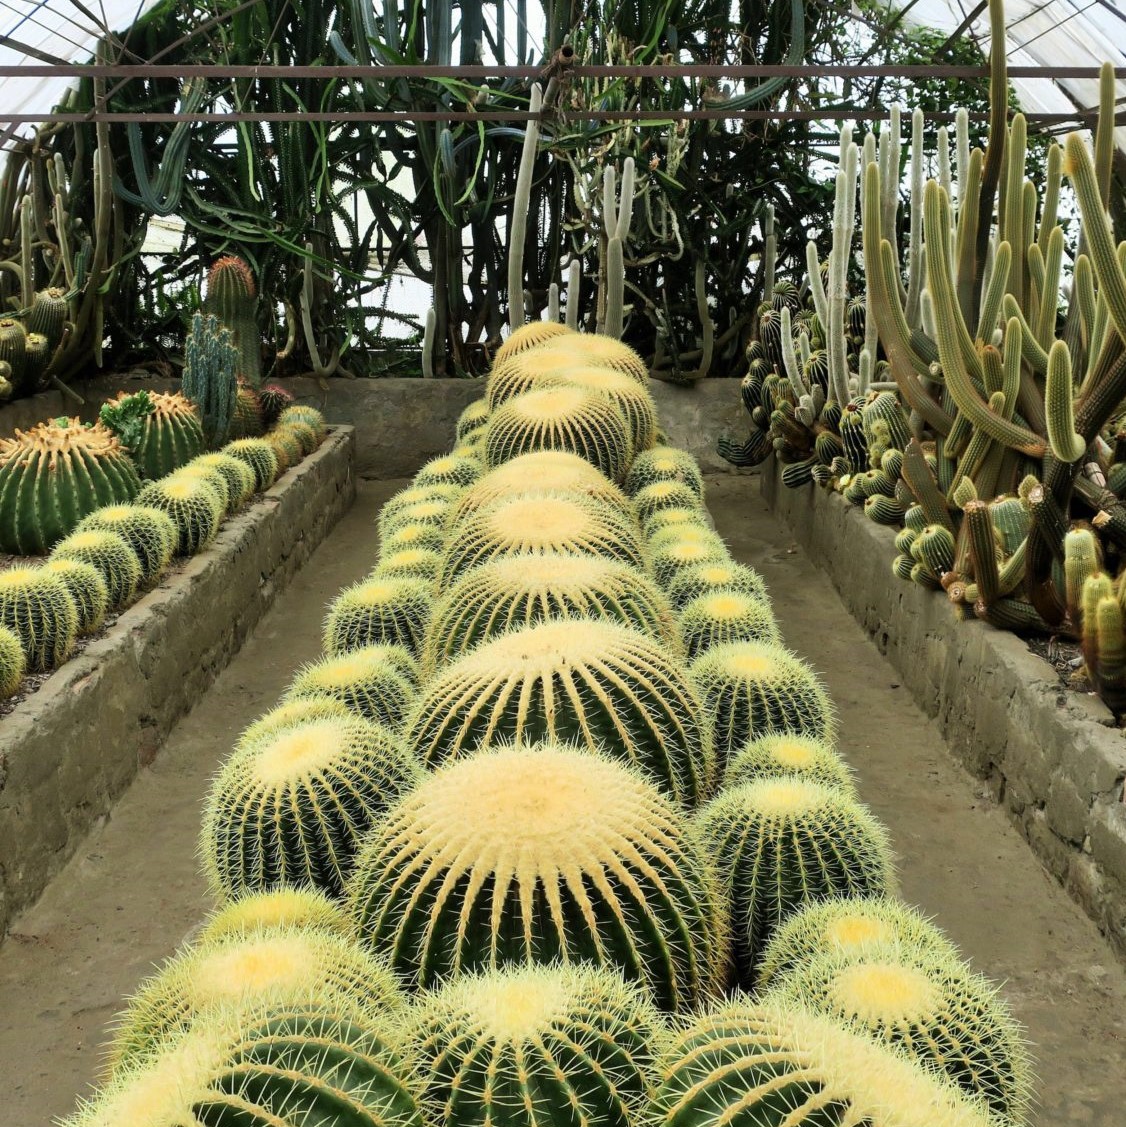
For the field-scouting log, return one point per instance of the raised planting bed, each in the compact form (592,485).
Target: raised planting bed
(1054,758)
(68,750)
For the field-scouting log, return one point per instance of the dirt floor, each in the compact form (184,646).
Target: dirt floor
(132,893)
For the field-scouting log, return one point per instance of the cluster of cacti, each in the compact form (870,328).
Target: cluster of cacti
(28,345)
(232,300)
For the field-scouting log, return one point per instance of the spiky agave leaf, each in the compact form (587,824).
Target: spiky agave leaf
(379,611)
(375,682)
(780,844)
(282,907)
(664,463)
(541,854)
(769,757)
(601,684)
(726,616)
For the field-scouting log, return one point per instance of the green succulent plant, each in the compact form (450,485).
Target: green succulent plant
(720,617)
(673,559)
(449,469)
(111,555)
(706,578)
(769,757)
(369,680)
(664,494)
(664,464)
(13,664)
(308,416)
(171,434)
(150,532)
(87,588)
(473,419)
(379,611)
(282,907)
(239,478)
(193,506)
(37,607)
(259,455)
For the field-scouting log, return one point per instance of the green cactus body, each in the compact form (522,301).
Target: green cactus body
(513,592)
(706,578)
(309,416)
(472,420)
(37,607)
(282,907)
(248,418)
(673,560)
(449,469)
(781,843)
(541,854)
(232,298)
(429,504)
(884,510)
(409,563)
(379,612)
(195,470)
(413,537)
(930,1007)
(561,418)
(537,1047)
(48,316)
(305,434)
(666,536)
(284,966)
(540,524)
(87,588)
(600,351)
(210,377)
(934,547)
(686,517)
(54,475)
(149,532)
(630,397)
(904,538)
(1081,559)
(371,681)
(273,400)
(259,456)
(848,927)
(726,616)
(915,518)
(883,407)
(289,807)
(764,1066)
(36,357)
(1012,522)
(193,506)
(238,477)
(13,664)
(113,558)
(286,446)
(13,350)
(532,370)
(664,495)
(753,689)
(171,437)
(601,684)
(285,1066)
(770,757)
(664,463)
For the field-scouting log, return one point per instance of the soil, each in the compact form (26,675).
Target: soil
(133,892)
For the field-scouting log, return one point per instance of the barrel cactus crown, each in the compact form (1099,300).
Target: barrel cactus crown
(537,1047)
(13,664)
(596,682)
(283,966)
(37,607)
(780,844)
(763,1066)
(369,680)
(664,536)
(561,418)
(282,907)
(287,447)
(651,499)
(273,400)
(672,560)
(726,616)
(87,588)
(541,524)
(848,927)
(289,807)
(239,478)
(626,393)
(601,351)
(684,516)
(307,416)
(410,537)
(305,433)
(172,435)
(55,474)
(409,563)
(541,854)
(725,575)
(512,592)
(425,504)
(532,334)
(472,419)
(932,1008)
(260,456)
(295,711)
(248,419)
(196,471)
(379,611)
(661,464)
(149,532)
(531,370)
(769,757)
(449,469)
(753,689)
(113,558)
(193,506)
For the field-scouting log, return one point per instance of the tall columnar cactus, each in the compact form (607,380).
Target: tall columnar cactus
(487,862)
(151,534)
(283,907)
(54,475)
(192,505)
(171,435)
(665,463)
(369,680)
(537,1047)
(767,1066)
(726,616)
(290,807)
(259,456)
(13,664)
(377,611)
(232,298)
(769,757)
(37,607)
(87,588)
(599,683)
(781,843)
(209,379)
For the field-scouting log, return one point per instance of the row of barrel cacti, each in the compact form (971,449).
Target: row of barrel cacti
(71,488)
(555,781)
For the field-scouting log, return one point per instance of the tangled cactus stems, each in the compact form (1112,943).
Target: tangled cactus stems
(232,298)
(259,456)
(475,868)
(87,588)
(193,506)
(370,681)
(379,611)
(13,664)
(149,532)
(547,1038)
(37,607)
(602,684)
(54,475)
(276,908)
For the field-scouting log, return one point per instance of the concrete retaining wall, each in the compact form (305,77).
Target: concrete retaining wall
(1054,759)
(68,751)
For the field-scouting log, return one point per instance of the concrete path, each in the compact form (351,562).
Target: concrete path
(132,894)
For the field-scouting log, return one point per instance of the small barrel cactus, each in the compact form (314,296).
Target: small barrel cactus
(368,680)
(601,351)
(726,616)
(532,334)
(37,607)
(149,532)
(705,578)
(87,588)
(411,537)
(603,684)
(289,807)
(192,505)
(296,711)
(670,561)
(374,612)
(781,843)
(541,854)
(532,370)
(172,435)
(409,563)
(196,471)
(308,416)
(398,509)
(449,469)
(281,907)
(659,495)
(273,400)
(54,475)
(472,419)
(238,477)
(768,757)
(664,463)
(627,394)
(664,536)
(685,516)
(259,455)
(13,664)
(248,420)
(286,446)
(305,433)
(536,1047)
(111,555)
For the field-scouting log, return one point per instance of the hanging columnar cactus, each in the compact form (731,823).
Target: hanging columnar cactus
(540,524)
(289,807)
(13,664)
(684,553)
(379,612)
(449,469)
(192,505)
(149,532)
(308,415)
(532,334)
(171,435)
(210,377)
(779,844)
(276,908)
(259,456)
(369,680)
(36,606)
(931,1007)
(664,463)
(561,418)
(605,685)
(54,475)
(769,757)
(726,616)
(473,419)
(511,592)
(232,298)
(847,927)
(284,966)
(706,578)
(536,1047)
(485,864)
(765,1066)
(239,478)
(87,588)
(602,352)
